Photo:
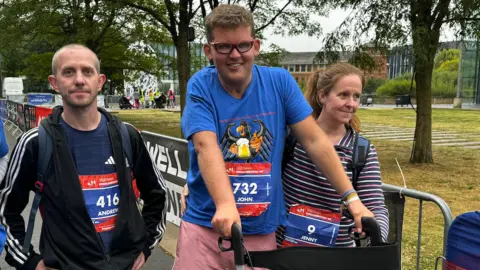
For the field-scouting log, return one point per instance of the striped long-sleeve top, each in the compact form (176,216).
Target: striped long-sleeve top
(304,184)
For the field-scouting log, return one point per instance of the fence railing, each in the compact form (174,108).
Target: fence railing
(421,197)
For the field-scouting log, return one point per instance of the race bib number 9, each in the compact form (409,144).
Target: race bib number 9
(102,196)
(251,184)
(309,226)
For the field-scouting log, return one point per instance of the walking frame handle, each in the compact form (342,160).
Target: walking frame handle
(236,244)
(371,229)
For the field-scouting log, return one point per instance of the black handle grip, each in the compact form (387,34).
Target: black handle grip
(371,228)
(236,244)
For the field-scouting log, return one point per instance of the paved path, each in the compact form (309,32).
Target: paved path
(439,138)
(159,260)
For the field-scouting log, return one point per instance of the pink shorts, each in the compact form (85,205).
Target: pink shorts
(197,248)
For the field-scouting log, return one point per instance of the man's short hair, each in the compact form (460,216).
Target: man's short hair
(228,17)
(73,46)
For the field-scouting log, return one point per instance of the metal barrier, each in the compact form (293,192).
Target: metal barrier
(423,196)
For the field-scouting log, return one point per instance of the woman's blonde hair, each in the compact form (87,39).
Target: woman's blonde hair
(324,81)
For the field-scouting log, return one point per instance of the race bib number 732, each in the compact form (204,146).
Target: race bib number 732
(251,184)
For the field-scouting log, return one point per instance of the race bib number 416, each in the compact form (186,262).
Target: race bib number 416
(251,184)
(102,196)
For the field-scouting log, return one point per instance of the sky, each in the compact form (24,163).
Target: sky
(304,43)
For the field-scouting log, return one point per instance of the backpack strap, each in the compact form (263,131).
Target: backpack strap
(126,138)
(361,147)
(45,150)
(127,144)
(289,149)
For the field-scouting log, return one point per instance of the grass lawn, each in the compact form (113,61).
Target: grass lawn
(167,123)
(453,176)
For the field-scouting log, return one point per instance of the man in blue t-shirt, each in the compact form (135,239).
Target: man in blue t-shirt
(235,121)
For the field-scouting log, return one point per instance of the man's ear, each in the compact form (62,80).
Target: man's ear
(256,47)
(53,83)
(207,49)
(101,81)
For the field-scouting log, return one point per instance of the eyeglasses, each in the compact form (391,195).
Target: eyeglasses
(227,48)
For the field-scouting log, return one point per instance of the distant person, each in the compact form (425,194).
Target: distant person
(89,191)
(171,98)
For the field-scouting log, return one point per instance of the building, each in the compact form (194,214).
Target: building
(167,52)
(400,59)
(301,64)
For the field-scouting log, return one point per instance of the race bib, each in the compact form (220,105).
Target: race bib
(102,196)
(309,226)
(251,184)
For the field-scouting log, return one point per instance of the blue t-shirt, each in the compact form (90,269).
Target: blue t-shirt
(251,135)
(3,141)
(92,154)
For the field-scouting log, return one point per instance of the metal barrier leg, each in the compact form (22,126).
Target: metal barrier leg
(443,262)
(419,241)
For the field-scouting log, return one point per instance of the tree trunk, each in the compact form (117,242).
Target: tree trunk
(422,148)
(425,43)
(183,54)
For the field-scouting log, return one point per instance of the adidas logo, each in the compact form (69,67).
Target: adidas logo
(111,161)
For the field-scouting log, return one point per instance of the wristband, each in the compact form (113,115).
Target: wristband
(349,201)
(348,193)
(350,196)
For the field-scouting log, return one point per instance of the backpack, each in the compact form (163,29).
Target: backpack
(361,147)
(45,151)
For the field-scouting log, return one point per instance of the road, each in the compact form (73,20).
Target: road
(159,260)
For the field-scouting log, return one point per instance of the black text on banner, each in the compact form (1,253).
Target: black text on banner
(170,155)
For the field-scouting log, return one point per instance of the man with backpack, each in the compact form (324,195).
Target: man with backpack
(84,166)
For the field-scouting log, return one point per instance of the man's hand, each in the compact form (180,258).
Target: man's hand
(224,217)
(139,262)
(183,199)
(358,210)
(41,266)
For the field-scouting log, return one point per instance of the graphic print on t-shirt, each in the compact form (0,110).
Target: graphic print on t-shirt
(246,149)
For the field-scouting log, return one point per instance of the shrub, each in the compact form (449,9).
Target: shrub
(444,84)
(449,65)
(372,85)
(405,76)
(444,56)
(396,87)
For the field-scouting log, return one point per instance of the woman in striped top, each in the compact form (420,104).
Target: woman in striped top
(334,95)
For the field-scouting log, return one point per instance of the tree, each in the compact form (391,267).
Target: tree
(271,58)
(32,30)
(396,23)
(288,17)
(445,55)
